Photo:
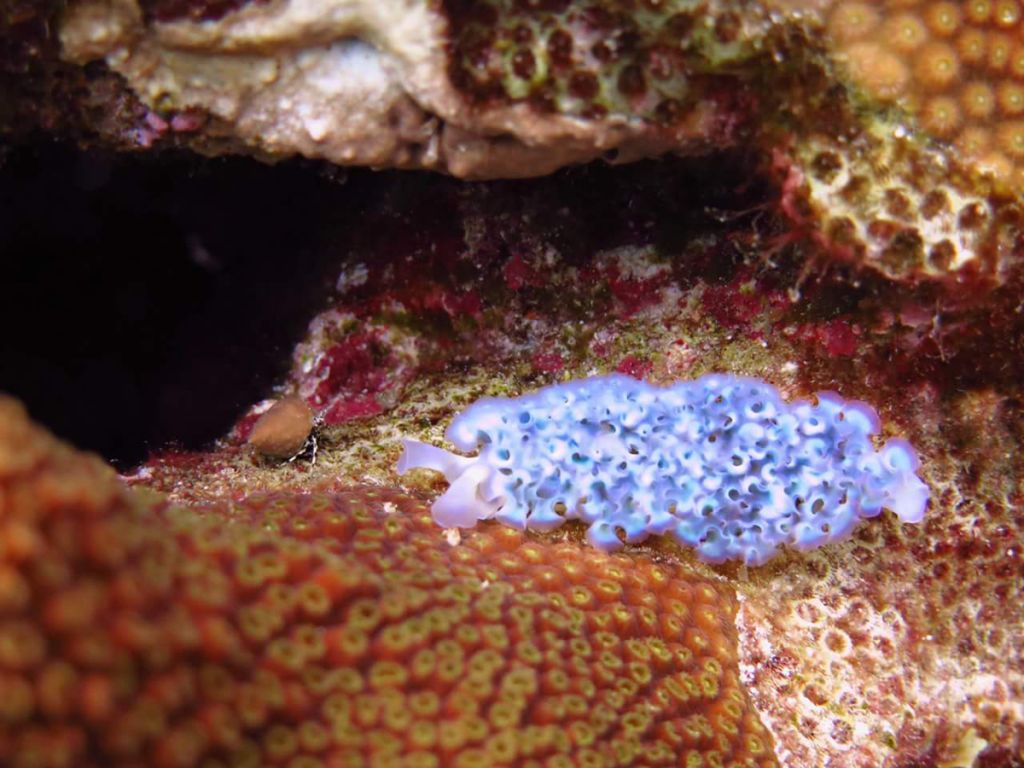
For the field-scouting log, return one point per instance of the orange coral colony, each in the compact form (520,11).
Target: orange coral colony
(957,66)
(340,629)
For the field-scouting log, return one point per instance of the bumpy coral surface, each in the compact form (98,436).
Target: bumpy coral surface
(650,60)
(926,187)
(889,204)
(915,618)
(957,66)
(339,629)
(469,88)
(895,141)
(722,464)
(899,116)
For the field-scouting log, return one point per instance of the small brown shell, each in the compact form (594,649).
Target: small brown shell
(282,431)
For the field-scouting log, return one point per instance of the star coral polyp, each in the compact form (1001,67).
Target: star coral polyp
(593,59)
(957,66)
(339,629)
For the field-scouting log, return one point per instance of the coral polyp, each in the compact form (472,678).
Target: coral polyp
(939,60)
(835,206)
(654,61)
(720,463)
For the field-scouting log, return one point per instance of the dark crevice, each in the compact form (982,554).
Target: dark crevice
(149,300)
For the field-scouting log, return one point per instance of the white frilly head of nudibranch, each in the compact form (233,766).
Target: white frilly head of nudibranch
(463,503)
(721,463)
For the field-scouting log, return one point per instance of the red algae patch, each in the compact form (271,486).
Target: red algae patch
(283,430)
(340,629)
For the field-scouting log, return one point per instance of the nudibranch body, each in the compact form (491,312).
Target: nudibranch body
(721,463)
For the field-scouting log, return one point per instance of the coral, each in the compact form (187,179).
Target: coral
(892,648)
(712,294)
(428,85)
(955,65)
(720,463)
(840,647)
(508,89)
(339,629)
(856,654)
(654,62)
(886,203)
(511,89)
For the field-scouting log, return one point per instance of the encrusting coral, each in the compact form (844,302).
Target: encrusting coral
(958,66)
(903,210)
(657,61)
(893,648)
(896,137)
(919,172)
(339,629)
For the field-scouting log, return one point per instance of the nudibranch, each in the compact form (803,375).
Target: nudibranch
(721,463)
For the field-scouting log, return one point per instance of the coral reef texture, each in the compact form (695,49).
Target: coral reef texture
(339,629)
(471,89)
(835,207)
(900,646)
(896,128)
(958,67)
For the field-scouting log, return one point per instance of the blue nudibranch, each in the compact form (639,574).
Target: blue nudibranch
(721,463)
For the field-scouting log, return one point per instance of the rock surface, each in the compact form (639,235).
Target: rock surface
(405,84)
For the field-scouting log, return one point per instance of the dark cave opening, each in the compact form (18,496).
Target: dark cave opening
(150,300)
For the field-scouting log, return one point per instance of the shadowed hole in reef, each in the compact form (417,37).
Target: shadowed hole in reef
(149,300)
(152,298)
